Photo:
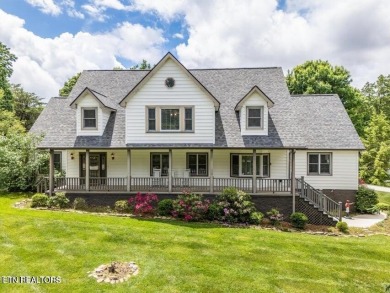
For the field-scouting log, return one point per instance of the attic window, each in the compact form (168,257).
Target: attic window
(89,117)
(254,117)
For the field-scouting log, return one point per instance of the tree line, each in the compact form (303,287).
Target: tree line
(368,109)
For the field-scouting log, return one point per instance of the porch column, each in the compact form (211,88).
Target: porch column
(211,171)
(87,170)
(51,172)
(254,184)
(128,169)
(293,179)
(170,171)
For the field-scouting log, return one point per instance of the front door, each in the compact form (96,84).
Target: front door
(97,165)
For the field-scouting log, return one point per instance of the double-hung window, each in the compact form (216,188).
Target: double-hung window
(254,117)
(242,165)
(319,164)
(89,117)
(170,119)
(197,163)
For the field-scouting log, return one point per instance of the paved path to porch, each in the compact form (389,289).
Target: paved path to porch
(364,221)
(378,188)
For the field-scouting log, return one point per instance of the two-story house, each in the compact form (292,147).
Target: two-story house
(170,128)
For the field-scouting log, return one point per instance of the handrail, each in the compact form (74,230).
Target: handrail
(319,199)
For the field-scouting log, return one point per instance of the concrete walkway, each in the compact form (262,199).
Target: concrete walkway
(365,221)
(378,188)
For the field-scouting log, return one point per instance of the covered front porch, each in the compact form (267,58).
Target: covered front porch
(256,171)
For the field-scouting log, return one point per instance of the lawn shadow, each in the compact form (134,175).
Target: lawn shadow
(175,222)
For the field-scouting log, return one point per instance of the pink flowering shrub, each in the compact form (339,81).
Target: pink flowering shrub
(190,207)
(143,204)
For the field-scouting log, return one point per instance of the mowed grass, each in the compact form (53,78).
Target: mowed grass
(383,197)
(175,256)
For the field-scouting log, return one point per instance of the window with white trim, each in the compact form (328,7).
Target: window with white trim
(170,119)
(197,163)
(319,163)
(254,117)
(58,161)
(89,118)
(241,165)
(159,161)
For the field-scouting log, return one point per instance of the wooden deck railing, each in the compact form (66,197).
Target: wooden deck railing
(161,184)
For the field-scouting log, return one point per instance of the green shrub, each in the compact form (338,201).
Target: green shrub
(236,205)
(58,201)
(165,207)
(299,220)
(381,206)
(275,217)
(39,200)
(214,212)
(342,227)
(79,203)
(256,218)
(365,199)
(122,206)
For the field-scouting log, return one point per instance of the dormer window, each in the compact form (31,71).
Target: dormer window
(89,118)
(254,117)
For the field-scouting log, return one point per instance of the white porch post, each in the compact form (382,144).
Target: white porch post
(128,169)
(87,170)
(293,179)
(211,171)
(170,171)
(254,184)
(51,172)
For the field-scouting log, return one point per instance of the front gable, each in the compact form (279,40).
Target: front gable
(170,62)
(92,113)
(169,89)
(254,111)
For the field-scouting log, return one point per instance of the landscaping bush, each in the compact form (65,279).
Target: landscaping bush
(143,204)
(299,220)
(381,206)
(214,212)
(79,203)
(236,205)
(275,217)
(58,201)
(256,218)
(165,207)
(39,200)
(342,227)
(190,207)
(122,206)
(365,199)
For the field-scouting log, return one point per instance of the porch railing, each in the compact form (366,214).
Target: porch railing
(273,185)
(149,184)
(200,184)
(244,184)
(318,199)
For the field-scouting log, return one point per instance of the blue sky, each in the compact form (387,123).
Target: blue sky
(54,39)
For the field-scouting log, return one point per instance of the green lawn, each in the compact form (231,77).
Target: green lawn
(182,257)
(383,196)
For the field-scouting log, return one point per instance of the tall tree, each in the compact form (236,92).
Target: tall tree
(6,61)
(375,160)
(320,77)
(27,106)
(378,95)
(68,85)
(142,66)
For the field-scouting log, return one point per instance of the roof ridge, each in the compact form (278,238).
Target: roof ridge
(308,95)
(96,92)
(191,69)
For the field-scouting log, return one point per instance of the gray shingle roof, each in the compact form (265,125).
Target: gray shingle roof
(312,121)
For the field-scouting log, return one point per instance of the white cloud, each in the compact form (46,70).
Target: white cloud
(97,8)
(44,64)
(46,6)
(178,36)
(255,33)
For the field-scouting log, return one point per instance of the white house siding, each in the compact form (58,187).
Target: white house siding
(345,168)
(88,101)
(140,162)
(254,100)
(185,93)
